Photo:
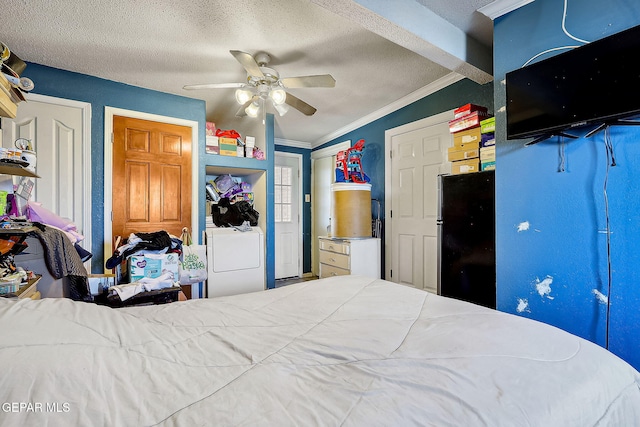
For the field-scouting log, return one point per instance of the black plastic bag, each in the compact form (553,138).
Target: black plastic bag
(227,215)
(247,213)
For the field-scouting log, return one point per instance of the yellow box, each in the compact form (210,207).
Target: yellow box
(463,152)
(465,166)
(228,146)
(470,136)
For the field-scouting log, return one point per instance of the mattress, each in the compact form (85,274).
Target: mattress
(348,351)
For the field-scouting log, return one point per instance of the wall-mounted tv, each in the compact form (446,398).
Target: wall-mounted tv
(597,83)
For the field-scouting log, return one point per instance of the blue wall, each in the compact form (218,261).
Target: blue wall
(306,206)
(449,98)
(446,99)
(565,246)
(100,93)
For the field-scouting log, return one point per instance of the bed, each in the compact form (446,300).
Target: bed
(350,351)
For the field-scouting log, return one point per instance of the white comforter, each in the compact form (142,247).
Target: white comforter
(343,351)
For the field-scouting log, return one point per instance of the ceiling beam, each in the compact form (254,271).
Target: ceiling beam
(414,27)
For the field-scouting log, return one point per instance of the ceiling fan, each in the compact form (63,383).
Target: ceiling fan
(264,83)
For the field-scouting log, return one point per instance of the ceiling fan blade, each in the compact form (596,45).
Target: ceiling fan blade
(300,105)
(214,86)
(248,63)
(323,80)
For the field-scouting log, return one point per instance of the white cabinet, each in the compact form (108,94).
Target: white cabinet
(339,257)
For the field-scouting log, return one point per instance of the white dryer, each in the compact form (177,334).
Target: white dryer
(235,261)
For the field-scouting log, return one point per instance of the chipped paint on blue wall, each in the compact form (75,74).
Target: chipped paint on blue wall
(567,221)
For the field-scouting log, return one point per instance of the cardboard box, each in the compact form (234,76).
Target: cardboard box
(212,141)
(488,154)
(488,125)
(487,139)
(468,121)
(469,136)
(8,108)
(463,152)
(465,166)
(468,109)
(488,166)
(210,128)
(212,145)
(228,146)
(152,265)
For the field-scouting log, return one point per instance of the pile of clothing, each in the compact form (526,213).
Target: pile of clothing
(157,242)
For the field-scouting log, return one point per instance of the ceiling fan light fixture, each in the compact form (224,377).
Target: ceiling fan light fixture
(278,96)
(281,108)
(243,96)
(252,109)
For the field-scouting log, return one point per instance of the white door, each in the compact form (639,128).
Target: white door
(59,131)
(417,154)
(323,166)
(288,226)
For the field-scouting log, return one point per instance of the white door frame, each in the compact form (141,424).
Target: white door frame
(85,108)
(300,196)
(319,154)
(109,112)
(388,135)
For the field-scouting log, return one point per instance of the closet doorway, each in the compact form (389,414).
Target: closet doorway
(60,134)
(170,194)
(323,167)
(287,214)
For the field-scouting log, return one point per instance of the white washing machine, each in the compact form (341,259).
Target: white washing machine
(235,261)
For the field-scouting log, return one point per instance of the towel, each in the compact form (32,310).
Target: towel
(145,284)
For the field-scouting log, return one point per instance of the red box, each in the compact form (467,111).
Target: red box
(468,109)
(468,121)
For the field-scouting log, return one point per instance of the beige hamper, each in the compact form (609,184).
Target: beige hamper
(350,210)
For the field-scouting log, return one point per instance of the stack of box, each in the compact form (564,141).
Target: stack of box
(212,142)
(249,142)
(488,144)
(465,127)
(228,146)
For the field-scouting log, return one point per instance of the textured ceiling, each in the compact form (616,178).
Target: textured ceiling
(164,45)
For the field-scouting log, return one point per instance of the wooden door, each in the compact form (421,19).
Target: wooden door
(151,177)
(418,157)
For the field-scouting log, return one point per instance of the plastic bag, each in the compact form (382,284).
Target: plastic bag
(193,268)
(226,214)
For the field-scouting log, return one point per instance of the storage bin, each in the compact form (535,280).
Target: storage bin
(350,210)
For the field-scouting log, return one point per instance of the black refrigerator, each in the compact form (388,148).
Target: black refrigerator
(466,237)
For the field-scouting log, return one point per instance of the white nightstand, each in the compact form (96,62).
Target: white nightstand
(339,257)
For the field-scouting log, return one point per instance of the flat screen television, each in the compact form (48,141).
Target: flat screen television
(594,84)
